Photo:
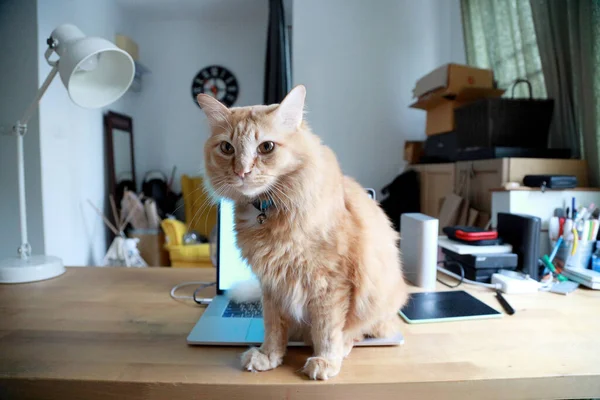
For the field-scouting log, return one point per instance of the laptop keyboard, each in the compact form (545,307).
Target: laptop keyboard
(243,310)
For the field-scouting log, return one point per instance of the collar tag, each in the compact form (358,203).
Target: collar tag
(262,206)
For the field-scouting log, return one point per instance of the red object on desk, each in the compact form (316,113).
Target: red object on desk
(479,235)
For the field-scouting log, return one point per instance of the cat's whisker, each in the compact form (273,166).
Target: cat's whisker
(189,194)
(278,186)
(276,192)
(288,215)
(208,201)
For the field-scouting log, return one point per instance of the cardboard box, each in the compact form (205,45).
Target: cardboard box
(413,151)
(440,106)
(448,87)
(453,78)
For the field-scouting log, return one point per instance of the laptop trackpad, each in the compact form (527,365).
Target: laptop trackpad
(256,331)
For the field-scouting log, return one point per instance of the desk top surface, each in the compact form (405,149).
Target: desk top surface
(116,333)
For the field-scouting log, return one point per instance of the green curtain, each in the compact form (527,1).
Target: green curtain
(565,32)
(555,44)
(499,34)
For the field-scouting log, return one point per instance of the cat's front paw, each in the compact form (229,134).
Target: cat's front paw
(321,368)
(254,360)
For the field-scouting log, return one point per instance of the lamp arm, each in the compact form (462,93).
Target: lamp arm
(40,93)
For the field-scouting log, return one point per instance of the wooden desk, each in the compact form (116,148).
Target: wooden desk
(115,333)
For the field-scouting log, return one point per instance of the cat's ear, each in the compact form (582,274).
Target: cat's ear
(216,112)
(291,110)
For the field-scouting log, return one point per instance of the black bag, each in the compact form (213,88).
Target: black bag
(501,122)
(156,187)
(402,197)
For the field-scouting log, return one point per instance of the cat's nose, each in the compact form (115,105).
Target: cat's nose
(242,173)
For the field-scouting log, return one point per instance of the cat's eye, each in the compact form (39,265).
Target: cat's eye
(266,147)
(227,148)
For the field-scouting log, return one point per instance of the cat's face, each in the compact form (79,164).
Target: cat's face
(251,147)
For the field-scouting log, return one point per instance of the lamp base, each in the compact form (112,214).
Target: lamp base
(35,268)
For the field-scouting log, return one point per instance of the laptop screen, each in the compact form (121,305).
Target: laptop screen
(231,267)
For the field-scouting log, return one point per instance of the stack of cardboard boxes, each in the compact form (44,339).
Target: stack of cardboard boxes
(451,86)
(439,93)
(442,91)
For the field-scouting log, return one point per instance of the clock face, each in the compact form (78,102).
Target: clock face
(218,82)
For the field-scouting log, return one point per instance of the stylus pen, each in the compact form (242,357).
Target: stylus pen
(509,310)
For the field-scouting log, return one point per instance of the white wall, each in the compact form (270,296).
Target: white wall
(18,80)
(169,127)
(72,142)
(359,61)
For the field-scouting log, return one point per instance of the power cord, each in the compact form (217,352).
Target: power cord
(194,296)
(462,273)
(465,280)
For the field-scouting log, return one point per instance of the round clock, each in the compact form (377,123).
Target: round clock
(218,82)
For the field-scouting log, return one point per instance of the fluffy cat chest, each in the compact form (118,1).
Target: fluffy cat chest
(291,296)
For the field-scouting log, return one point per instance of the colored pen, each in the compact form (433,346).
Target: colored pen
(550,266)
(556,247)
(595,232)
(591,208)
(573,209)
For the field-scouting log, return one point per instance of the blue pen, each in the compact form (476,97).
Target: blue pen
(555,250)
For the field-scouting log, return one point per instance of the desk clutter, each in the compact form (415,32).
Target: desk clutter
(505,259)
(573,235)
(508,257)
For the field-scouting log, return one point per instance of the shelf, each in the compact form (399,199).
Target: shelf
(530,189)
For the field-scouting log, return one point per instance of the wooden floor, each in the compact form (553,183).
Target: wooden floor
(115,333)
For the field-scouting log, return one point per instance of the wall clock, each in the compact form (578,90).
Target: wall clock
(218,82)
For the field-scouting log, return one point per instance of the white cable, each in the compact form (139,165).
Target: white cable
(202,285)
(465,280)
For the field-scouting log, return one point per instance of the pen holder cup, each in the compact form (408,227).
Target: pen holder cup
(582,256)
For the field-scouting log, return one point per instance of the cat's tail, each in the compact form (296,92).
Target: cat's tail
(245,291)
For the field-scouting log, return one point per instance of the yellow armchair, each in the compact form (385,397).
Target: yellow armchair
(200,213)
(182,255)
(200,216)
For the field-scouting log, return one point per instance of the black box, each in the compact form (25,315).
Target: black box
(442,147)
(550,181)
(480,267)
(523,233)
(487,153)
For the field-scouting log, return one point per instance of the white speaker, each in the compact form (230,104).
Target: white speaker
(419,246)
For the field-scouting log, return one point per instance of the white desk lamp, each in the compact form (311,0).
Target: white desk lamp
(96,73)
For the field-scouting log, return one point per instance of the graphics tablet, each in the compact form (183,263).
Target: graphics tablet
(445,306)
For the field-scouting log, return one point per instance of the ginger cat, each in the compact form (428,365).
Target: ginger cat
(325,253)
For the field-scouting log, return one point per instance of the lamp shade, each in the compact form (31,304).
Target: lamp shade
(95,72)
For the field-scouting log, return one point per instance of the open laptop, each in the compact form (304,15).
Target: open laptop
(225,323)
